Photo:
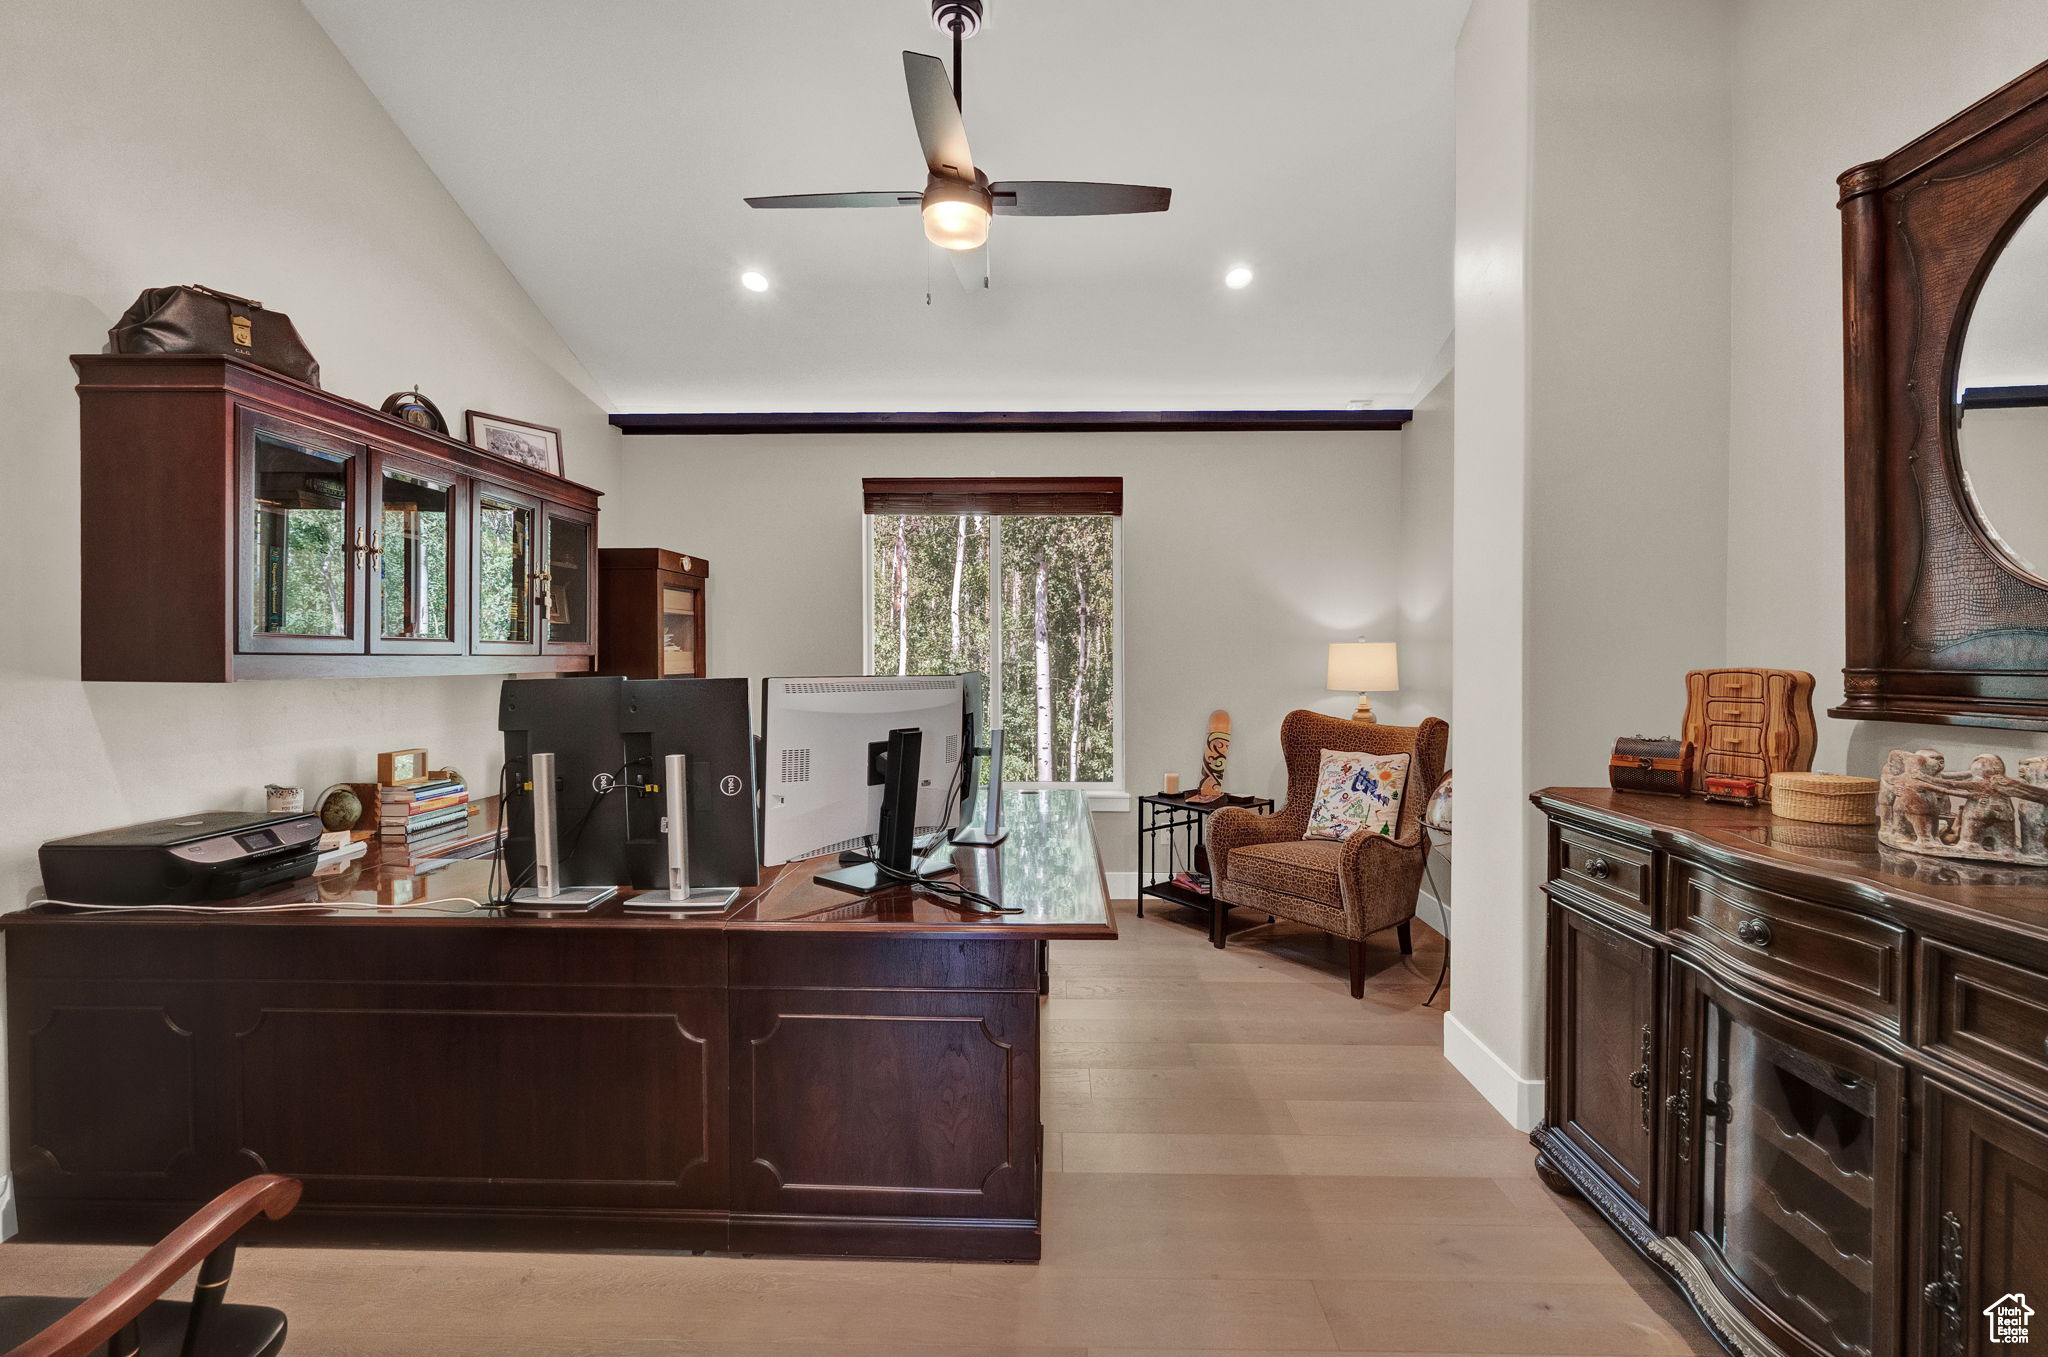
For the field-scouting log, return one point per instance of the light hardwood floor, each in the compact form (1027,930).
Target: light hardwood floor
(1240,1159)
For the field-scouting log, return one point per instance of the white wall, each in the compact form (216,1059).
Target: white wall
(1491,935)
(1820,86)
(1428,461)
(1428,456)
(1591,444)
(1243,556)
(223,142)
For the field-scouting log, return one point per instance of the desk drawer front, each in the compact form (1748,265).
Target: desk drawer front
(1985,1013)
(1838,957)
(1608,869)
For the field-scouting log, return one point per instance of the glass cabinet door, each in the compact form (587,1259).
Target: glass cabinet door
(507,572)
(682,626)
(1789,1139)
(414,559)
(302,538)
(569,582)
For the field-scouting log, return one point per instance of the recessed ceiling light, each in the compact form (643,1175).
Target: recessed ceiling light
(1238,277)
(754,282)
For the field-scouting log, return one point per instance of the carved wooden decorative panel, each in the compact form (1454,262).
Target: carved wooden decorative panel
(883,1102)
(138,1117)
(1943,624)
(1602,1095)
(487,1086)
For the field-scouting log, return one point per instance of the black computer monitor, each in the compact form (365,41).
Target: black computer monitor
(974,735)
(577,721)
(710,723)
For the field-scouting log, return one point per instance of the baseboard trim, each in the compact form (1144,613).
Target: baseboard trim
(1429,910)
(9,1226)
(1519,1100)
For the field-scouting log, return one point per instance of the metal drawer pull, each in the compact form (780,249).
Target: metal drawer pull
(1599,867)
(1755,932)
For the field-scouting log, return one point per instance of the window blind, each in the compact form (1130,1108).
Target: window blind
(1057,495)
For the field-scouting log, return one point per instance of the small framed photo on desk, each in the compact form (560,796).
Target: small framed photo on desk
(402,768)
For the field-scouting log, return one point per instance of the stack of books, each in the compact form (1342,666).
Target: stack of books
(424,816)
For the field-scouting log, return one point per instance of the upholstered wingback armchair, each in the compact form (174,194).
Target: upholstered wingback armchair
(1352,888)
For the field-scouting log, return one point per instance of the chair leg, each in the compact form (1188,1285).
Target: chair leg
(1219,921)
(1407,941)
(1357,967)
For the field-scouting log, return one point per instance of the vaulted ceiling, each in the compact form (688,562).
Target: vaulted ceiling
(603,149)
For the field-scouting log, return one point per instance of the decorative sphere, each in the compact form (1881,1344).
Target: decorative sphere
(1438,813)
(340,808)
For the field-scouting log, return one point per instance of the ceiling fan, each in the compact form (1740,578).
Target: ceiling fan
(958,199)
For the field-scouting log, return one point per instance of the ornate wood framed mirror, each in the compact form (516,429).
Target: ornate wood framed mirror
(1945,319)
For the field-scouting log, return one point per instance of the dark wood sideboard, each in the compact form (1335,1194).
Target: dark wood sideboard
(811,1072)
(1807,1076)
(237,524)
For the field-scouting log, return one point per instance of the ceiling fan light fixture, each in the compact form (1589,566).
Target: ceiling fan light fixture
(956,215)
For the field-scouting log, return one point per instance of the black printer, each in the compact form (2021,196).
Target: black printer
(213,855)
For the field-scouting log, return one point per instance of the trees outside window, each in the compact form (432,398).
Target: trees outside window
(949,591)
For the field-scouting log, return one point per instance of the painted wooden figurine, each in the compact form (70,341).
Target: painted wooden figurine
(1215,756)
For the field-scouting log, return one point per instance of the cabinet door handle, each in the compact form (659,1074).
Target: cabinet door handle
(1599,867)
(376,547)
(1755,932)
(1639,1080)
(359,549)
(1945,1292)
(1679,1105)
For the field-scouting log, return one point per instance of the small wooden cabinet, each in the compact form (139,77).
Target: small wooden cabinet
(1806,1076)
(238,524)
(653,613)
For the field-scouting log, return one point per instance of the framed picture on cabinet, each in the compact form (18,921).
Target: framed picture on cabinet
(515,440)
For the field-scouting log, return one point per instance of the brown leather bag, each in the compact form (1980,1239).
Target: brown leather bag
(200,320)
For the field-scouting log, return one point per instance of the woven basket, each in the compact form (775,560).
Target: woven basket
(1824,798)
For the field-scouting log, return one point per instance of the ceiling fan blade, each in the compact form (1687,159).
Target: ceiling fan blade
(839,200)
(1059,198)
(971,267)
(939,129)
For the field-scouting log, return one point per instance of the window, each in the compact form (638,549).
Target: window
(979,577)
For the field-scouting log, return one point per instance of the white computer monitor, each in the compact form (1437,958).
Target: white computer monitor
(820,789)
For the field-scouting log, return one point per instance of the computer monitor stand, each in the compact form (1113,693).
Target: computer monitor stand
(680,899)
(990,831)
(895,844)
(547,897)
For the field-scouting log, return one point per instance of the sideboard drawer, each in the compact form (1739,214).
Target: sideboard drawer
(1837,957)
(1984,1013)
(1608,869)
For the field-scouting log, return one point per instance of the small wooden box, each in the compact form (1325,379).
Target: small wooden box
(1749,722)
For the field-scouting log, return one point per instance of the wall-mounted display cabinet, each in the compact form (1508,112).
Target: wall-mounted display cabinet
(653,619)
(238,524)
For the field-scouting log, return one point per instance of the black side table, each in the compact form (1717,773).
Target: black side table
(1177,825)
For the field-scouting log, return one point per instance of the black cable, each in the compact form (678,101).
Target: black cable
(575,837)
(954,895)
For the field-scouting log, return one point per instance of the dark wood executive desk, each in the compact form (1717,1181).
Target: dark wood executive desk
(811,1072)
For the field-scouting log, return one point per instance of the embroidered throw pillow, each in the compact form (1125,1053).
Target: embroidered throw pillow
(1357,791)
